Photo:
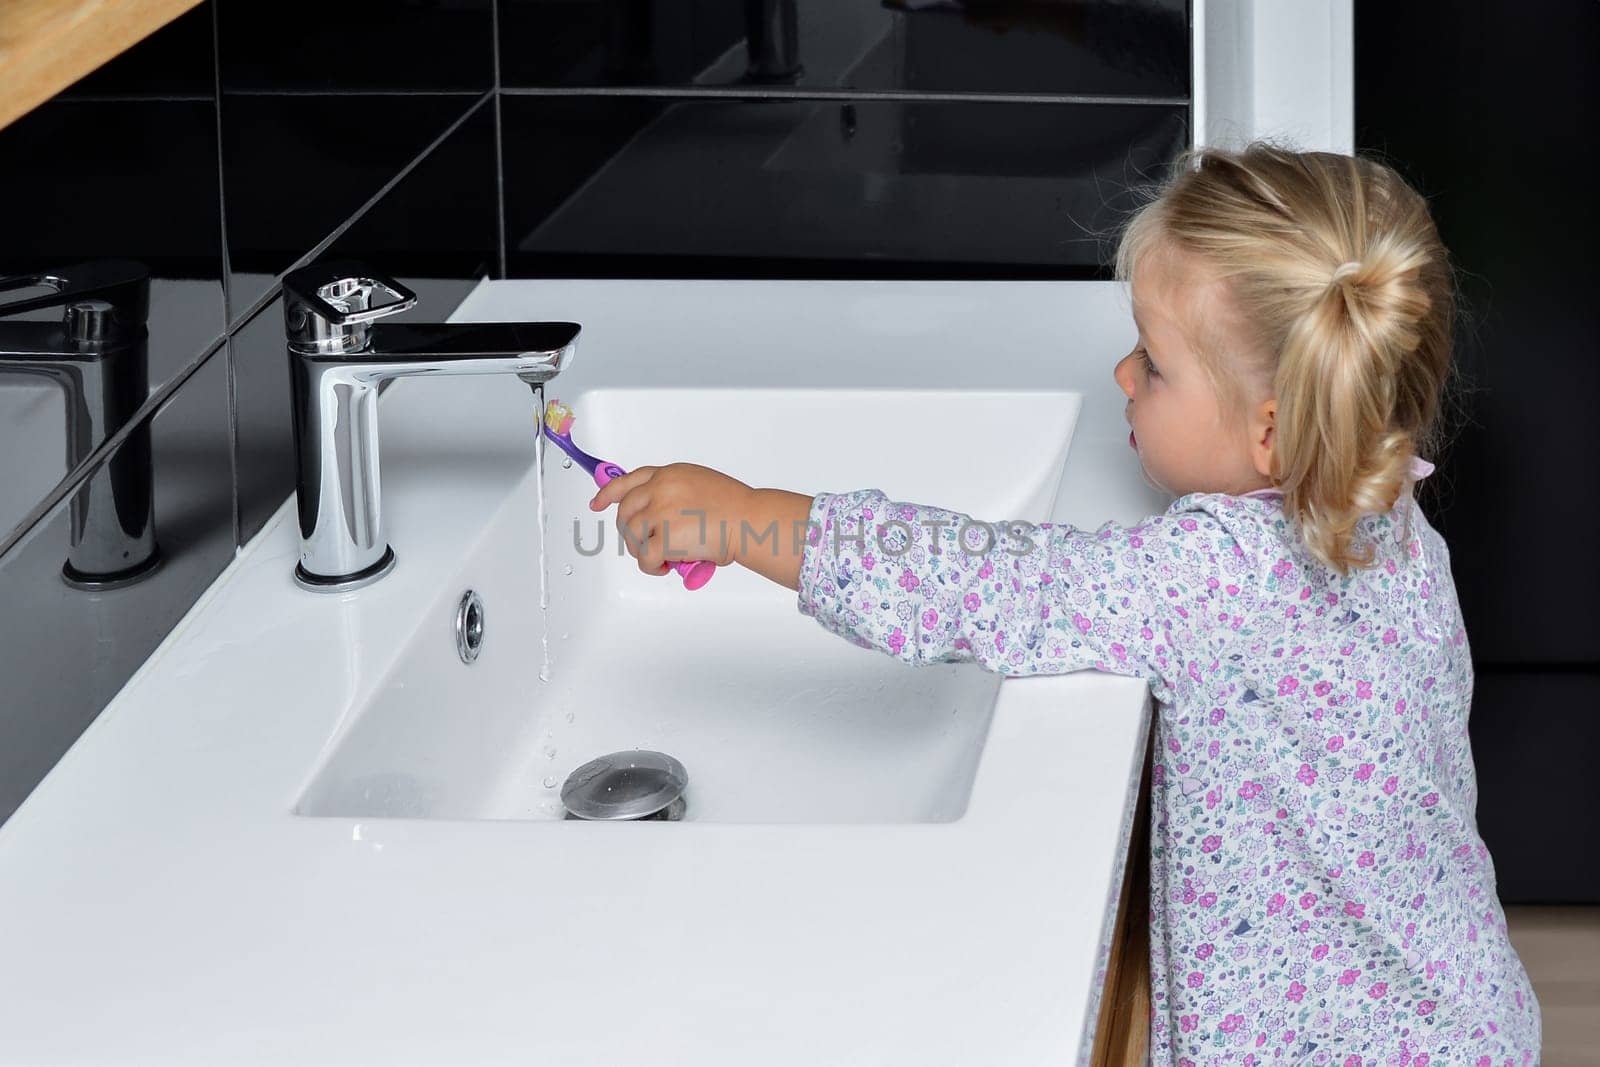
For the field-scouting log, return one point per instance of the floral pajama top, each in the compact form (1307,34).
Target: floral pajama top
(1319,891)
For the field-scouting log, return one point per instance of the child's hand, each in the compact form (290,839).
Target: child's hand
(684,511)
(678,512)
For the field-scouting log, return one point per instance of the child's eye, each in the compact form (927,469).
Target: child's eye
(1149,367)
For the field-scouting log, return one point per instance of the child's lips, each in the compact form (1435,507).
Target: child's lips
(1133,442)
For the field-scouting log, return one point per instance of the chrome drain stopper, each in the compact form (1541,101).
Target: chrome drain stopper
(636,784)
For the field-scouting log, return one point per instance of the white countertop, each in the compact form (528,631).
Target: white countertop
(159,902)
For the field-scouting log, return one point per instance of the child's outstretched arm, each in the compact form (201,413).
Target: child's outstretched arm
(926,584)
(685,511)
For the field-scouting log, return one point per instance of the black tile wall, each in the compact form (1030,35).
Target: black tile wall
(653,185)
(357,46)
(832,138)
(263,441)
(296,167)
(437,230)
(1045,47)
(1533,738)
(322,107)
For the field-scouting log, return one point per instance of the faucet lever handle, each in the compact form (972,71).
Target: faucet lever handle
(344,295)
(124,283)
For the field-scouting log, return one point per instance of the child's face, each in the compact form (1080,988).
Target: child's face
(1185,441)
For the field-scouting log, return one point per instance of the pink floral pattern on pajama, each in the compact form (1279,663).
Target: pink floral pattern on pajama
(1319,890)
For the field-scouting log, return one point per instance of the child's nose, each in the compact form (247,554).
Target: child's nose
(1123,373)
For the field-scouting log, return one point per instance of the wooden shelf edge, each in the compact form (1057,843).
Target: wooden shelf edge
(46,45)
(1122,1034)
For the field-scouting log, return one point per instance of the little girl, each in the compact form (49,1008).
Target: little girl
(1319,890)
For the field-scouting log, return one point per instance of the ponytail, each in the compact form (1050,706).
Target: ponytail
(1336,265)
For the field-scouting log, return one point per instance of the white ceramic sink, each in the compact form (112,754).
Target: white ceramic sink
(775,719)
(305,808)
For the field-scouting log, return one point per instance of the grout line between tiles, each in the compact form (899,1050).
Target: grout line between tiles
(756,92)
(354,92)
(222,190)
(200,98)
(227,280)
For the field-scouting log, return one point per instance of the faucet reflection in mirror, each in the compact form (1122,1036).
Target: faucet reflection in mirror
(339,355)
(97,353)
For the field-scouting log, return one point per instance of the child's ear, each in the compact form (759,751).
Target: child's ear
(1263,427)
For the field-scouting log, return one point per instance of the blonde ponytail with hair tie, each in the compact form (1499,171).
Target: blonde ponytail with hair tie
(1344,270)
(1356,358)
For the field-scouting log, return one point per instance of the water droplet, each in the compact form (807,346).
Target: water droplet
(566,464)
(571,715)
(549,752)
(550,782)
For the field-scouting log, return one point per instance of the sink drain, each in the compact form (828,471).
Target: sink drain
(633,785)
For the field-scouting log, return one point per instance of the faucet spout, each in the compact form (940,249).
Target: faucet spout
(533,351)
(339,358)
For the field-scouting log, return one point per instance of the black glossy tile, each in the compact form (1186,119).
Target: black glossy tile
(263,433)
(322,106)
(65,652)
(357,46)
(295,168)
(658,187)
(110,177)
(1533,739)
(1101,47)
(440,223)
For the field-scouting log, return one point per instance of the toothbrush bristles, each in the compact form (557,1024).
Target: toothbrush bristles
(558,417)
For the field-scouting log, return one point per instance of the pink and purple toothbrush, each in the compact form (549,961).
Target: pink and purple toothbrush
(558,419)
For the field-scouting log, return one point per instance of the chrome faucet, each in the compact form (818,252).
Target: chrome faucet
(98,354)
(338,360)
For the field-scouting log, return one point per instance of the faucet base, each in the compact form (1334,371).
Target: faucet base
(97,582)
(343,583)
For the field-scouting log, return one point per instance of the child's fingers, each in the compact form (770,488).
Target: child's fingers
(631,508)
(643,538)
(650,560)
(617,488)
(633,525)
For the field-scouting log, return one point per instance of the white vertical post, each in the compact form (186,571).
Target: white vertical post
(1274,68)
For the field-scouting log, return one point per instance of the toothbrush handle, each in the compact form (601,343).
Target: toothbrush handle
(694,572)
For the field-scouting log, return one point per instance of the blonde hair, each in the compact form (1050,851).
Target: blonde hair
(1334,264)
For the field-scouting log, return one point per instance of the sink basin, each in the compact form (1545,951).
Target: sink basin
(776,719)
(299,795)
